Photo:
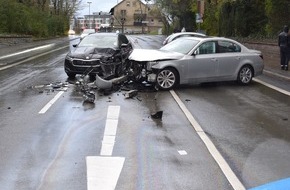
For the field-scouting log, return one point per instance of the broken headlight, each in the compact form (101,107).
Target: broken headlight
(150,64)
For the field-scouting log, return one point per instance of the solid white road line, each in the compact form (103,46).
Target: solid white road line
(228,172)
(30,58)
(276,74)
(272,86)
(27,51)
(51,102)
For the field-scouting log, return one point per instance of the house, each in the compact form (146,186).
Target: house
(100,21)
(133,16)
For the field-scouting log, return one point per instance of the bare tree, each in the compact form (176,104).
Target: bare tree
(65,7)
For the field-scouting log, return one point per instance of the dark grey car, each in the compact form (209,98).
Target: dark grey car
(105,54)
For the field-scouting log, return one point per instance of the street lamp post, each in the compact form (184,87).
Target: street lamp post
(89,2)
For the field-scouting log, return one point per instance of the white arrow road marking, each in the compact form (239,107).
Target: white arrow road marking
(103,171)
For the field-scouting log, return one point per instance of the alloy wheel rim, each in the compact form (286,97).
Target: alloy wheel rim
(246,75)
(166,79)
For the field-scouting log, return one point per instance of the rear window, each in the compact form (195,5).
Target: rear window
(227,47)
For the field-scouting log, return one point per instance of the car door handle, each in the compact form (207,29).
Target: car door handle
(238,58)
(214,59)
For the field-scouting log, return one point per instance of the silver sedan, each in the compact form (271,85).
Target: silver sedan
(191,60)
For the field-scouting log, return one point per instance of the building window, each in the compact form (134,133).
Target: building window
(128,3)
(138,11)
(123,12)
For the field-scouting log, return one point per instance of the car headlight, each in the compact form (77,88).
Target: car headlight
(150,64)
(68,57)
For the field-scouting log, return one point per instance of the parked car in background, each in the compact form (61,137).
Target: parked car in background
(71,32)
(196,60)
(177,35)
(105,54)
(87,32)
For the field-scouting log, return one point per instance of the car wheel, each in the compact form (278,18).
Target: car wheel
(71,75)
(92,77)
(245,75)
(166,79)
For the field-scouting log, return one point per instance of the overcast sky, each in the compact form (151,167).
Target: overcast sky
(97,6)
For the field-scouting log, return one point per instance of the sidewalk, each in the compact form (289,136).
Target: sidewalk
(272,67)
(271,54)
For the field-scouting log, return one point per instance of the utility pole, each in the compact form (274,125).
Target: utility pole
(89,2)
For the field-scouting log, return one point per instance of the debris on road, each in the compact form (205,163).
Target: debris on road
(89,96)
(157,115)
(131,94)
(51,87)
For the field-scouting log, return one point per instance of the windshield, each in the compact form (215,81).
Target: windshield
(99,41)
(182,45)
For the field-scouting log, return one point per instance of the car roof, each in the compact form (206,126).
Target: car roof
(209,38)
(183,34)
(190,33)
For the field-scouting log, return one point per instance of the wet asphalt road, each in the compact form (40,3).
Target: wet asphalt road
(249,125)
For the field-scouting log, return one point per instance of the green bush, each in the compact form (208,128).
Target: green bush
(18,18)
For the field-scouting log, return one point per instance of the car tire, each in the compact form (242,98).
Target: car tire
(166,79)
(92,77)
(245,75)
(71,75)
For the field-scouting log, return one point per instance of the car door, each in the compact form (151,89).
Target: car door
(203,65)
(229,57)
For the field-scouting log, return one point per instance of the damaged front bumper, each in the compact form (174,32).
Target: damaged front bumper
(151,77)
(78,66)
(101,83)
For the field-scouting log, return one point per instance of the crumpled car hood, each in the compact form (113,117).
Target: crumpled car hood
(153,55)
(92,52)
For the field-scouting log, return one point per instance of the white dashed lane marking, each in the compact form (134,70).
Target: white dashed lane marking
(104,171)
